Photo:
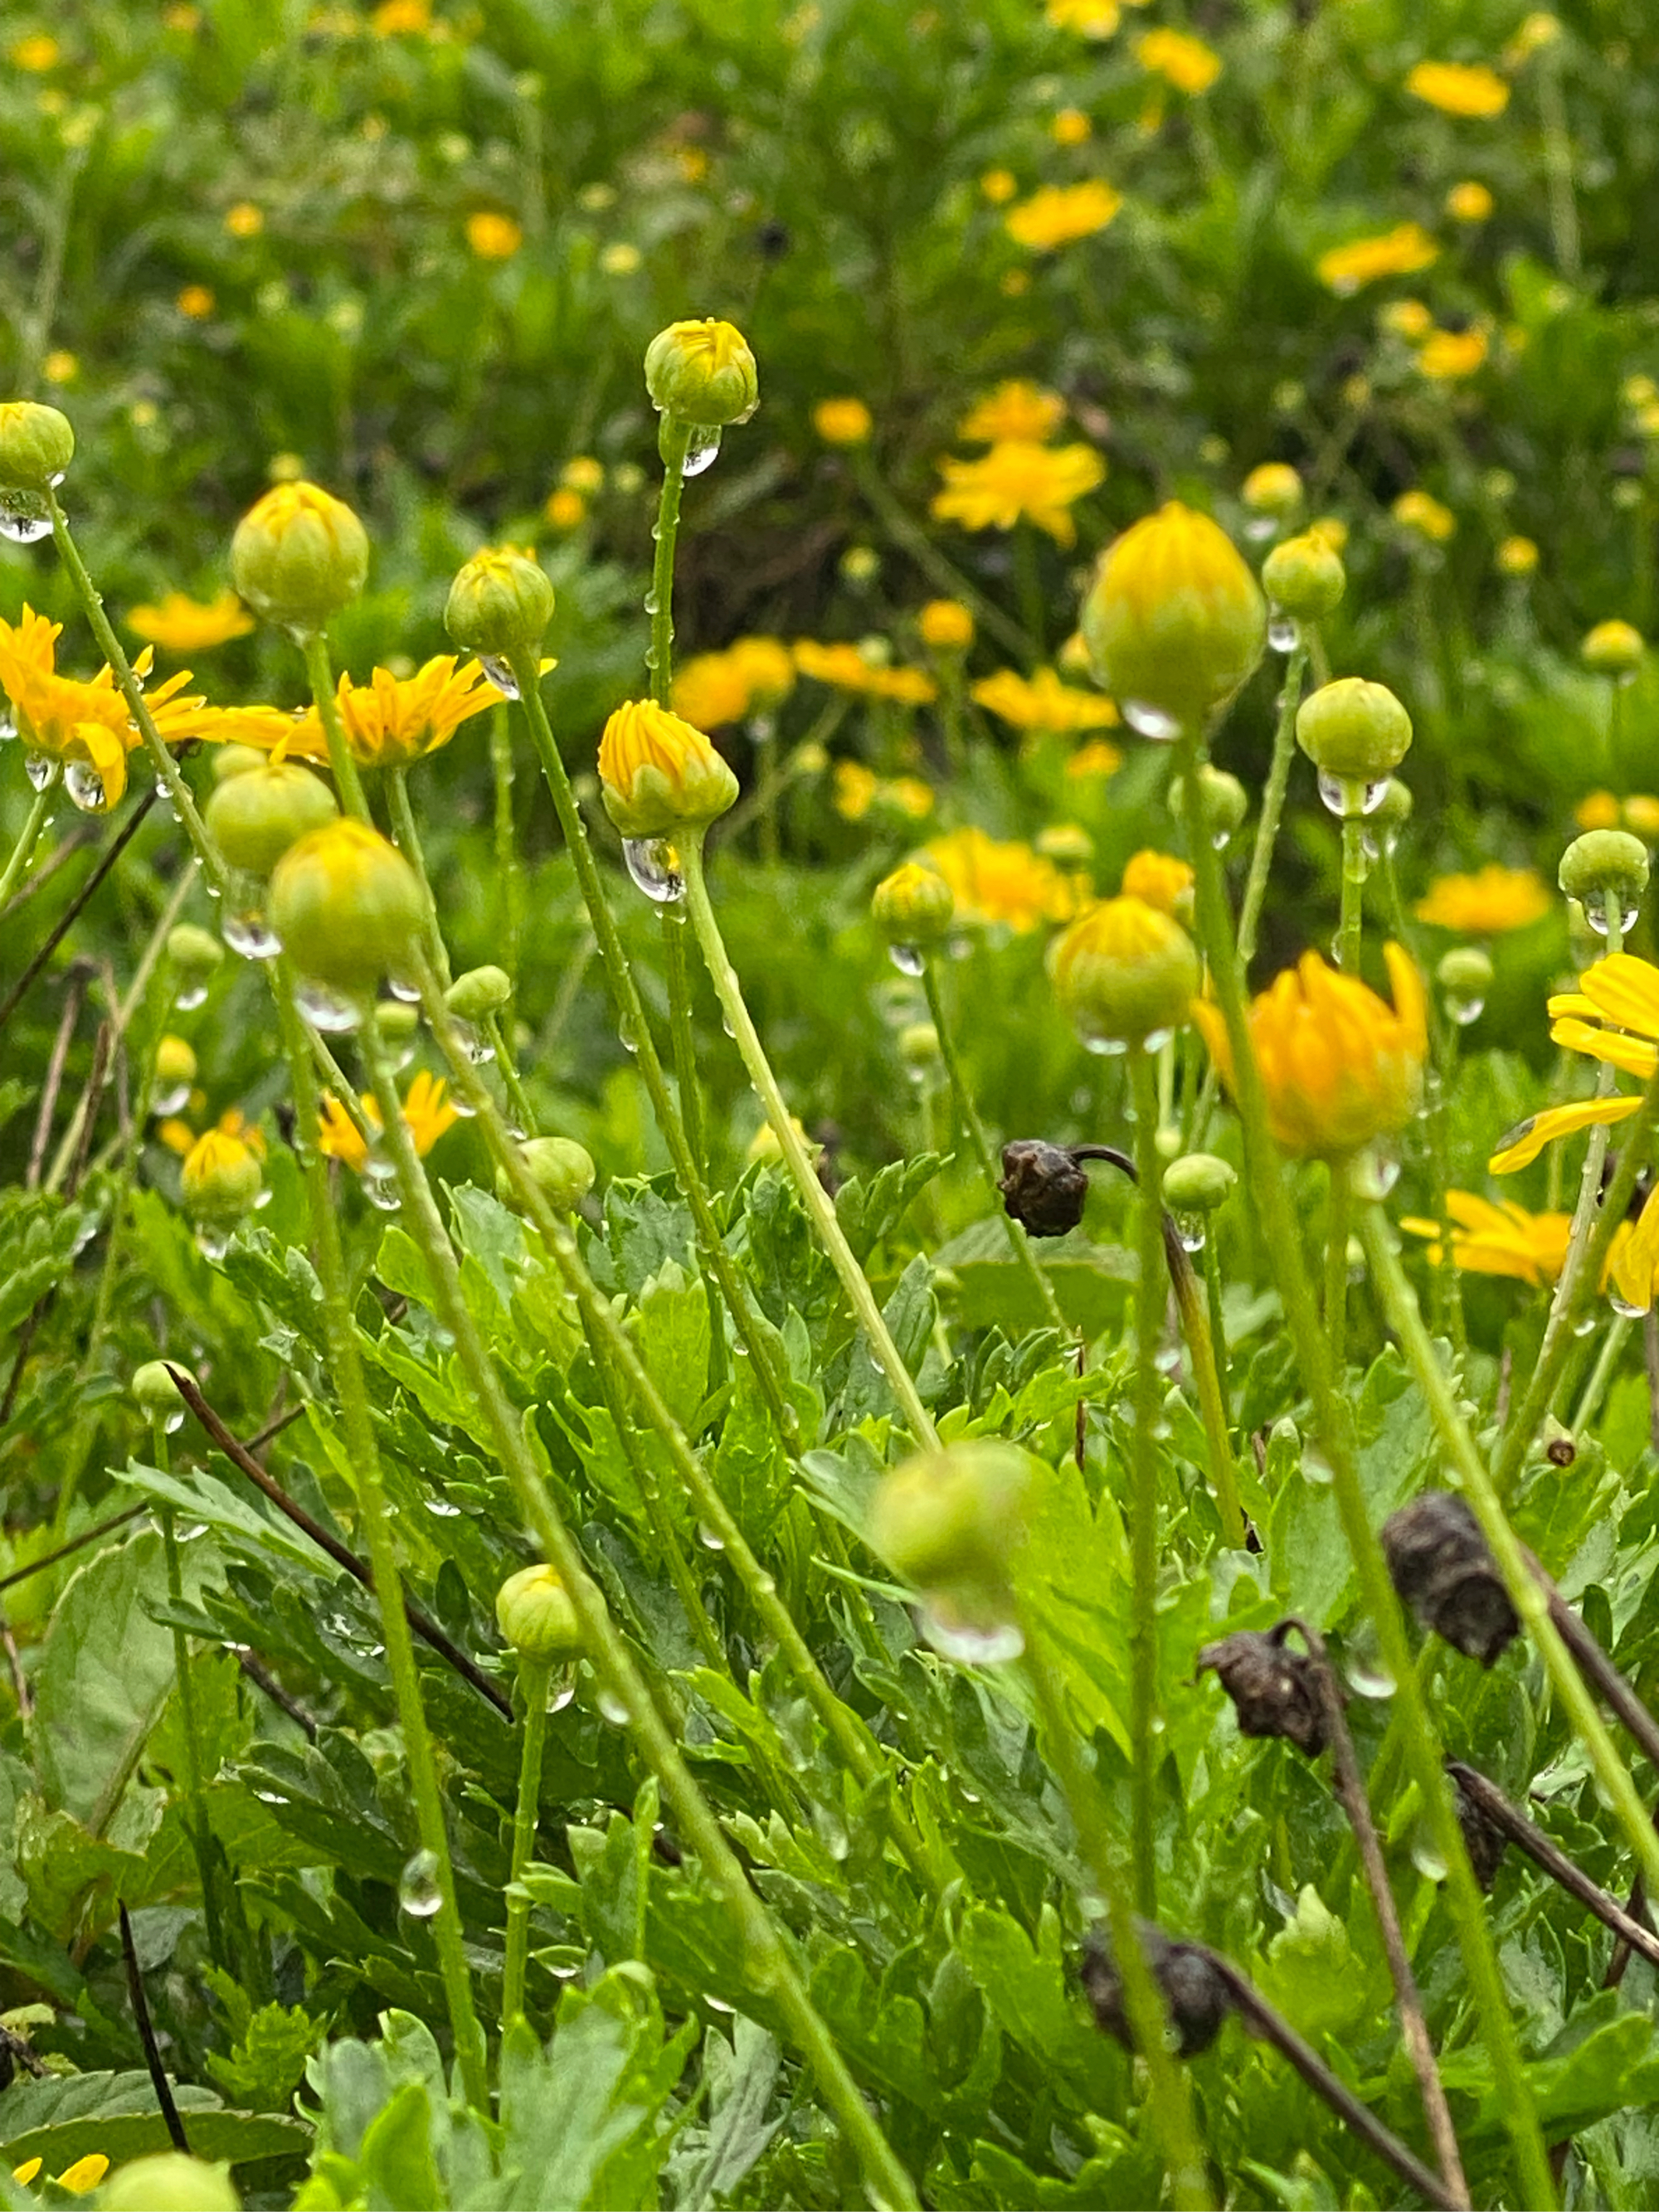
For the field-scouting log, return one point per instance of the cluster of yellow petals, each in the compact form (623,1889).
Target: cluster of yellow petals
(492,236)
(1089,19)
(426,1110)
(1020,481)
(1448,356)
(178,624)
(1016,408)
(1003,882)
(1486,903)
(1179,59)
(1400,251)
(849,669)
(1422,513)
(1042,705)
(754,675)
(389,722)
(86,2173)
(85,725)
(1468,89)
(842,422)
(1058,215)
(1338,1065)
(856,791)
(1160,881)
(1499,1240)
(1601,809)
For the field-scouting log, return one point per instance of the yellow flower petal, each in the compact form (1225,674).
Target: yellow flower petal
(1520,1147)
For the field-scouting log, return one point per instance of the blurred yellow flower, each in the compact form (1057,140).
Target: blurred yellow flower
(1018,409)
(1332,529)
(1042,705)
(1518,556)
(196,302)
(1642,815)
(1070,127)
(999,186)
(947,625)
(492,236)
(1180,60)
(1059,214)
(1338,1065)
(1098,757)
(1159,880)
(709,691)
(842,422)
(244,219)
(1406,319)
(565,508)
(1091,19)
(1400,251)
(1421,513)
(1499,1240)
(60,367)
(1450,355)
(395,19)
(78,2179)
(1600,811)
(1020,481)
(181,624)
(767,667)
(36,53)
(1492,900)
(583,474)
(1459,88)
(856,791)
(848,669)
(997,882)
(426,1108)
(84,725)
(1468,202)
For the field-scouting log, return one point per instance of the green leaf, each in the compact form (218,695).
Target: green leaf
(869,1212)
(62,2117)
(669,1324)
(741,2077)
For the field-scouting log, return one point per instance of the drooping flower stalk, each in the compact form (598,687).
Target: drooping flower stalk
(534,1677)
(1273,804)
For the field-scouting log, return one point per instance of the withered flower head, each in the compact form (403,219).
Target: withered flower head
(1441,1568)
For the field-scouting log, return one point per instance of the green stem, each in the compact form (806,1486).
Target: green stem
(1422,1746)
(491,1026)
(1019,1243)
(201,1835)
(507,879)
(320,674)
(534,1675)
(1611,1770)
(770,1964)
(674,443)
(1595,1389)
(1558,165)
(681,1037)
(1169,2090)
(932,563)
(408,837)
(1212,1401)
(815,1199)
(1273,805)
(23,851)
(167,769)
(345,1362)
(630,1013)
(1213,1290)
(1149,1295)
(1340,1203)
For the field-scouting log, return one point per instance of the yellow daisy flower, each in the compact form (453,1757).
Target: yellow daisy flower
(492,236)
(180,625)
(1159,880)
(1020,481)
(426,1108)
(847,669)
(1450,355)
(1059,214)
(1179,59)
(1042,705)
(1499,1240)
(84,726)
(1017,408)
(1459,88)
(997,882)
(1400,251)
(1492,900)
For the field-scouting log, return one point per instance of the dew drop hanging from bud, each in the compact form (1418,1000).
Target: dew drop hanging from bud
(189,996)
(1150,721)
(7,722)
(23,529)
(907,959)
(251,935)
(1464,1007)
(173,1100)
(212,1243)
(1283,634)
(700,454)
(41,770)
(418,1890)
(654,867)
(85,787)
(500,675)
(1192,1230)
(1343,797)
(971,1644)
(327,1010)
(1596,915)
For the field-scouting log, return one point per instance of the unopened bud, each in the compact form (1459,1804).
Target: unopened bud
(949,1521)
(1124,973)
(702,372)
(1613,649)
(500,604)
(175,1063)
(1221,797)
(1354,729)
(194,952)
(170,2181)
(479,992)
(221,1178)
(254,817)
(154,1390)
(1198,1182)
(347,906)
(299,555)
(1605,864)
(1304,576)
(535,1615)
(561,1170)
(36,446)
(1174,621)
(913,906)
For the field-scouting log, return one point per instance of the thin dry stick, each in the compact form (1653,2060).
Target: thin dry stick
(74,999)
(422,1623)
(158,2076)
(1597,1668)
(66,921)
(1413,2028)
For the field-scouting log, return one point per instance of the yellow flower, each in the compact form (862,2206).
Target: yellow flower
(83,725)
(767,667)
(426,1108)
(1018,409)
(1043,704)
(1518,557)
(1520,1147)
(1174,621)
(947,625)
(1406,319)
(1633,1260)
(1020,481)
(583,474)
(401,18)
(1484,904)
(392,721)
(220,1175)
(1459,88)
(1180,60)
(659,774)
(1400,251)
(621,259)
(996,882)
(710,690)
(1421,513)
(1614,1015)
(565,509)
(244,219)
(909,795)
(848,669)
(1159,880)
(1601,811)
(1613,649)
(196,302)
(1642,815)
(492,236)
(36,54)
(857,791)
(86,2173)
(1091,19)
(1499,1240)
(1339,1067)
(1070,127)
(1331,529)
(1539,29)
(842,422)
(1468,202)
(60,367)
(181,624)
(999,186)
(1059,214)
(1097,757)
(1450,355)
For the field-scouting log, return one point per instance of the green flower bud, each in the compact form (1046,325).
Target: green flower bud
(1198,1182)
(1465,972)
(256,816)
(950,1521)
(560,1167)
(395,1019)
(1304,576)
(703,372)
(1604,864)
(36,445)
(1354,730)
(155,1391)
(1174,621)
(1613,649)
(231,759)
(347,906)
(500,604)
(194,952)
(1124,972)
(170,2182)
(221,1178)
(481,991)
(1273,489)
(918,1047)
(1223,798)
(299,555)
(1283,1452)
(913,906)
(175,1063)
(536,1616)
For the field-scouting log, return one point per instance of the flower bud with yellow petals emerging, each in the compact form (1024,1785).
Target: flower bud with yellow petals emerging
(1605,867)
(535,1615)
(659,774)
(1274,489)
(221,1178)
(347,906)
(1613,649)
(947,625)
(949,1521)
(1198,1182)
(561,1170)
(1124,973)
(1304,576)
(913,906)
(703,373)
(479,992)
(175,1063)
(299,555)
(1353,731)
(255,817)
(501,603)
(37,445)
(1174,621)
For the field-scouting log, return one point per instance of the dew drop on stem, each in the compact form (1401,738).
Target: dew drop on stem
(418,1890)
(655,867)
(700,454)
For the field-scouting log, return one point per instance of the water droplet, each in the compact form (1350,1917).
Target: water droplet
(561,1689)
(1368,1676)
(1585,1325)
(251,935)
(23,529)
(500,675)
(1105,1047)
(907,959)
(613,1710)
(189,996)
(1283,634)
(709,1538)
(1427,1857)
(85,787)
(401,989)
(173,1100)
(418,1892)
(41,770)
(379,1179)
(700,454)
(327,1010)
(654,867)
(1624,1308)
(1373,1173)
(212,1242)
(1193,1230)
(1260,527)
(7,722)
(1464,1007)
(973,1643)
(1316,1468)
(1596,915)
(625,1035)
(173,1423)
(443,1509)
(1150,721)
